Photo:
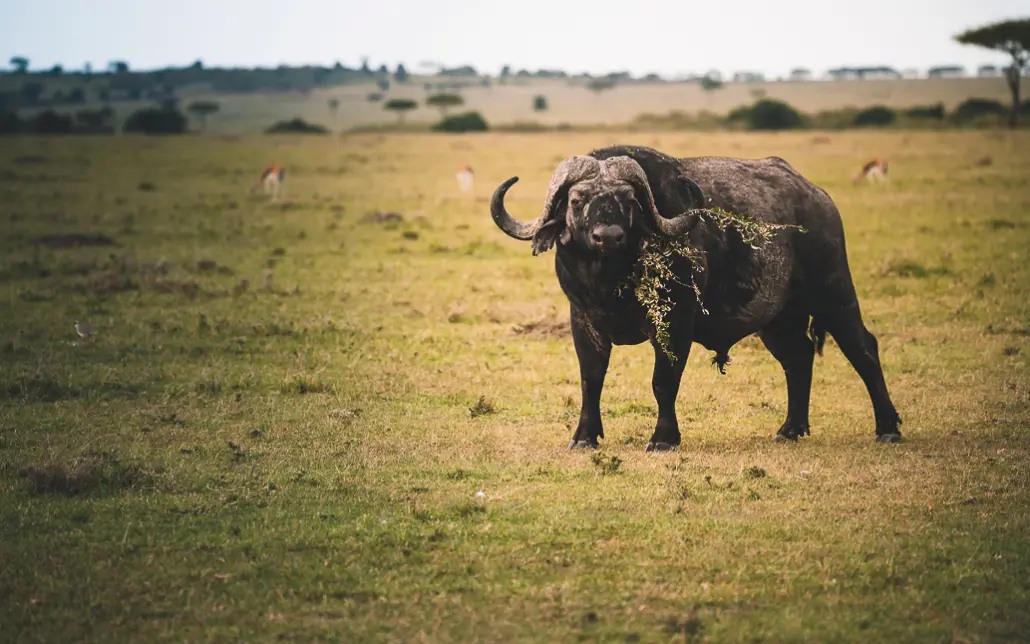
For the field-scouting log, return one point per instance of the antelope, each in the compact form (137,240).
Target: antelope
(272,178)
(873,169)
(465,177)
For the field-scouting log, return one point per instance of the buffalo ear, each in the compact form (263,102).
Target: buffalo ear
(548,234)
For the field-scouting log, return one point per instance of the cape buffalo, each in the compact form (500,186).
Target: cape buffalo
(604,208)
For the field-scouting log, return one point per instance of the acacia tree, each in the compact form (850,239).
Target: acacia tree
(445,101)
(201,109)
(334,105)
(1011,37)
(20,64)
(400,105)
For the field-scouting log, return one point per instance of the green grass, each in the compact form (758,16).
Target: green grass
(282,423)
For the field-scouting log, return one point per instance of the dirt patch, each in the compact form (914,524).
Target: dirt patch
(69,240)
(546,328)
(378,217)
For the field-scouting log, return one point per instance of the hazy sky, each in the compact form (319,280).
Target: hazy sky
(641,36)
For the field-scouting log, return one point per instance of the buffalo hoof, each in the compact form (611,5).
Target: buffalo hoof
(659,446)
(791,434)
(781,438)
(582,445)
(888,438)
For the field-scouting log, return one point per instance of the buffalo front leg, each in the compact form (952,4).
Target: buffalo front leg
(593,352)
(787,339)
(666,386)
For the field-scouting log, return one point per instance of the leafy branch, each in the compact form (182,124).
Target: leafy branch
(653,280)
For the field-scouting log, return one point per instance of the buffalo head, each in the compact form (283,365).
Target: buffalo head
(598,205)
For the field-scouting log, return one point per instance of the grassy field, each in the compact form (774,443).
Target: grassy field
(568,104)
(287,413)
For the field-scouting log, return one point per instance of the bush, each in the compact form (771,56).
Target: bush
(10,123)
(467,122)
(878,115)
(769,114)
(296,126)
(50,122)
(926,112)
(973,108)
(539,103)
(153,120)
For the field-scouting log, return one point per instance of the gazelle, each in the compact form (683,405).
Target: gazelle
(465,178)
(272,178)
(873,169)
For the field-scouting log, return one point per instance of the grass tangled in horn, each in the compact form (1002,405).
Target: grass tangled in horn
(652,281)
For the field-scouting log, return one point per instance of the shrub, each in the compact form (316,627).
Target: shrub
(926,111)
(153,120)
(296,126)
(10,123)
(878,115)
(467,122)
(539,103)
(769,114)
(50,122)
(973,108)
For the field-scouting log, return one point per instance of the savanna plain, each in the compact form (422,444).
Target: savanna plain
(344,415)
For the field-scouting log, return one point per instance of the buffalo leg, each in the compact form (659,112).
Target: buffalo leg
(665,383)
(593,352)
(787,340)
(862,351)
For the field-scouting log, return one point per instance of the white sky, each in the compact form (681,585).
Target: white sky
(597,36)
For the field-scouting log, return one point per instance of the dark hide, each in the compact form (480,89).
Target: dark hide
(790,292)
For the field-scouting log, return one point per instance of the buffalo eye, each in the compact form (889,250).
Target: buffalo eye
(575,202)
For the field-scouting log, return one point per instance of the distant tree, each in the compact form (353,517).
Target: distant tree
(877,115)
(599,85)
(401,106)
(334,105)
(505,73)
(119,66)
(203,109)
(197,65)
(88,69)
(20,64)
(375,97)
(467,122)
(56,70)
(50,122)
(30,92)
(1011,37)
(444,102)
(364,67)
(401,75)
(769,114)
(383,71)
(153,120)
(540,103)
(710,82)
(383,84)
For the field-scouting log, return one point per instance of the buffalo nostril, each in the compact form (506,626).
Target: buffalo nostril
(596,237)
(617,236)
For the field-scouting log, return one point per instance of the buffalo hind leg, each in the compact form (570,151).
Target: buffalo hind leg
(862,351)
(593,353)
(787,339)
(666,385)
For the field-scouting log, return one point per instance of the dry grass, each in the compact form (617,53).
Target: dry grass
(312,451)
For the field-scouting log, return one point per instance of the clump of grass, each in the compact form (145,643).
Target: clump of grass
(304,386)
(754,472)
(90,474)
(607,464)
(654,277)
(483,407)
(146,186)
(910,268)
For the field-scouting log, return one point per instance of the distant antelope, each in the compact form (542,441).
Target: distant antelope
(465,178)
(272,178)
(873,169)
